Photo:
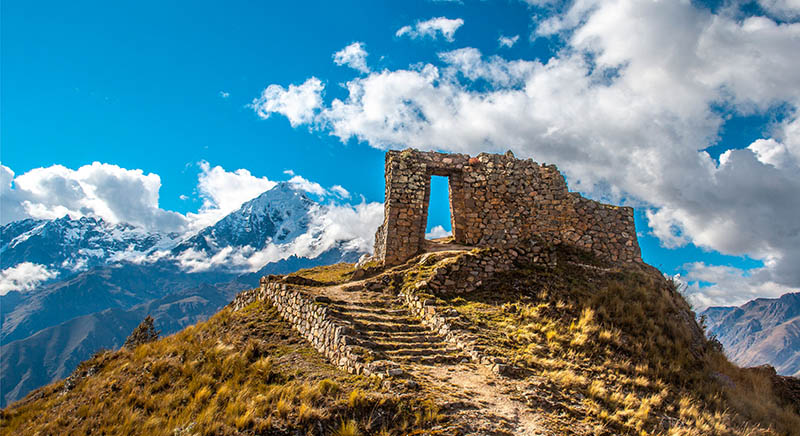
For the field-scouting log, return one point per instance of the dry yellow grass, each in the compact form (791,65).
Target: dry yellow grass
(327,274)
(238,373)
(620,352)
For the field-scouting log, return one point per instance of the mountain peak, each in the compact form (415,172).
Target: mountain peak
(277,215)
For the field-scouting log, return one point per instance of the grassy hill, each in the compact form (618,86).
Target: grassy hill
(591,349)
(240,372)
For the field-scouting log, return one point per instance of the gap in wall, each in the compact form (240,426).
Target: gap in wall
(439,222)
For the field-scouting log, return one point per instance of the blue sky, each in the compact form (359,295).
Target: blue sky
(163,86)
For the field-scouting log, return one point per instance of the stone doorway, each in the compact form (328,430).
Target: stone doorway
(439,214)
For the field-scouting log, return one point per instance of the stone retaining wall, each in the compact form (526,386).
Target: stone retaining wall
(466,272)
(496,200)
(437,320)
(311,319)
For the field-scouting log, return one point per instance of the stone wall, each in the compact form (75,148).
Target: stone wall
(496,200)
(312,320)
(466,272)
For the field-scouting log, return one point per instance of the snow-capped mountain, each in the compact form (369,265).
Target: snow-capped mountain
(277,216)
(101,275)
(68,246)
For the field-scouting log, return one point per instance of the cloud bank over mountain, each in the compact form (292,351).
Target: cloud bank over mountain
(627,108)
(131,227)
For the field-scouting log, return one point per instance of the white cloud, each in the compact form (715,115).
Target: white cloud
(623,117)
(785,9)
(438,232)
(308,186)
(507,41)
(298,103)
(718,285)
(224,94)
(24,277)
(354,56)
(497,71)
(351,227)
(223,192)
(10,198)
(340,191)
(432,28)
(348,223)
(107,191)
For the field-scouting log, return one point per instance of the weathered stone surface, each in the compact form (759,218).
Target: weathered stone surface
(496,200)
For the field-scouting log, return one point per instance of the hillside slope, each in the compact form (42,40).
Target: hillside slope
(238,373)
(762,331)
(96,270)
(54,352)
(573,346)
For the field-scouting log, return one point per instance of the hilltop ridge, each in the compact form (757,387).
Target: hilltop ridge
(537,317)
(566,344)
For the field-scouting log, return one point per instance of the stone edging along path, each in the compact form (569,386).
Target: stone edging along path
(316,322)
(312,321)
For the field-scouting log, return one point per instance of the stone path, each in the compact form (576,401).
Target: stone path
(477,400)
(382,325)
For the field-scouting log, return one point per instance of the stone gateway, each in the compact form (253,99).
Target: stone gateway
(496,200)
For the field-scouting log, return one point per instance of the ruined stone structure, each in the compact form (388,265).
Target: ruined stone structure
(516,211)
(496,200)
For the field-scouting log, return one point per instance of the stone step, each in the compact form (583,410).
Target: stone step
(383,326)
(389,327)
(389,346)
(429,360)
(367,304)
(420,352)
(402,337)
(364,318)
(368,310)
(389,343)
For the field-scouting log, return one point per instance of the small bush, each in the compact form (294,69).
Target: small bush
(145,332)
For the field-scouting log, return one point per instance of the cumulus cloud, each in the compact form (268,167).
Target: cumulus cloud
(354,56)
(348,227)
(720,285)
(298,103)
(223,192)
(507,41)
(438,232)
(10,199)
(432,28)
(785,9)
(315,188)
(624,118)
(24,277)
(497,71)
(308,186)
(107,191)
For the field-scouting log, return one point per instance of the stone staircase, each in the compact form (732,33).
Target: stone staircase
(379,323)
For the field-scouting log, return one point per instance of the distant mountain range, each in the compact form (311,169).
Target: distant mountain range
(764,330)
(102,279)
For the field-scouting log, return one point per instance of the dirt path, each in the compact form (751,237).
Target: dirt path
(480,400)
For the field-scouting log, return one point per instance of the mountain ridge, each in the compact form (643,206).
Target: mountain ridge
(578,346)
(118,267)
(761,331)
